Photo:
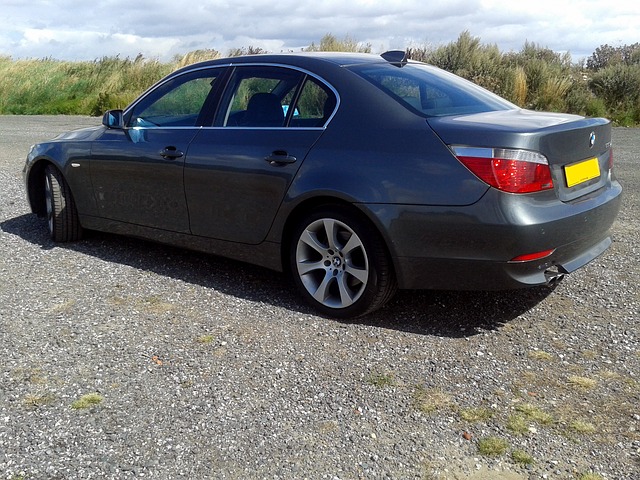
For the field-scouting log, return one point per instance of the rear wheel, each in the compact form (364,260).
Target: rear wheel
(62,215)
(340,265)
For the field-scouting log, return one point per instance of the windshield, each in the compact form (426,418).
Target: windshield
(431,91)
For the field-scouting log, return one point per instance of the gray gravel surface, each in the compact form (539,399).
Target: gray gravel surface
(208,368)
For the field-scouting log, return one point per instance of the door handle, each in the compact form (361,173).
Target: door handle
(280,157)
(171,153)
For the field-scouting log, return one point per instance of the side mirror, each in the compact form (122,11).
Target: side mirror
(113,119)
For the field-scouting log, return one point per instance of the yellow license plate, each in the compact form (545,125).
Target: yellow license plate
(582,171)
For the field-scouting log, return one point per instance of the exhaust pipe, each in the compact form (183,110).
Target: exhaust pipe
(554,275)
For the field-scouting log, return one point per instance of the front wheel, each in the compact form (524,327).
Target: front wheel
(340,265)
(62,215)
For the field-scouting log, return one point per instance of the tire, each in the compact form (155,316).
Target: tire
(339,264)
(62,215)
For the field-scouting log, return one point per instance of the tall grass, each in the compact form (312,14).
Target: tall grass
(47,86)
(534,77)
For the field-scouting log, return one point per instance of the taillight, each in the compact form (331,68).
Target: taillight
(509,170)
(610,159)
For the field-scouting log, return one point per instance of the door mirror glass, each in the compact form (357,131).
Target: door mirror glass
(113,119)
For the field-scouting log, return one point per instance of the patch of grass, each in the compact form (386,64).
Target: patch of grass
(581,426)
(540,355)
(518,424)
(478,414)
(589,355)
(535,414)
(36,401)
(429,400)
(522,458)
(590,476)
(87,401)
(381,380)
(582,382)
(492,446)
(156,305)
(62,308)
(31,375)
(205,339)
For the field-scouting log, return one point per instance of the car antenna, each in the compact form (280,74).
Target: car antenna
(396,57)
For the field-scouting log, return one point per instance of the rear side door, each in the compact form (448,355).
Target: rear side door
(238,171)
(137,171)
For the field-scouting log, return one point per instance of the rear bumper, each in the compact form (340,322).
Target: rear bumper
(470,248)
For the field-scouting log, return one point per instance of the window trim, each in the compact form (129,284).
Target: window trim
(220,90)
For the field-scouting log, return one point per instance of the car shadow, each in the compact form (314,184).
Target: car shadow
(441,313)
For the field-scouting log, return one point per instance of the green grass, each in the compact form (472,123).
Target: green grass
(477,414)
(518,424)
(583,427)
(590,476)
(535,414)
(522,458)
(492,446)
(583,383)
(205,339)
(429,400)
(381,380)
(534,77)
(87,401)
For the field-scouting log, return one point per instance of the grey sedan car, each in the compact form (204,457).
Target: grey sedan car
(357,174)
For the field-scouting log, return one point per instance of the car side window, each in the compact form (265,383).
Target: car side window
(314,106)
(259,96)
(177,103)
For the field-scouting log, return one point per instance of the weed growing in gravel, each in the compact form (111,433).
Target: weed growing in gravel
(535,414)
(479,414)
(205,339)
(590,476)
(492,446)
(31,375)
(428,400)
(518,424)
(521,457)
(87,401)
(381,380)
(36,401)
(540,355)
(156,305)
(581,426)
(582,382)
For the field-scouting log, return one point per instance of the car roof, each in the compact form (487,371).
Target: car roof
(300,59)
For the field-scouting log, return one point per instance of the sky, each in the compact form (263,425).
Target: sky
(162,29)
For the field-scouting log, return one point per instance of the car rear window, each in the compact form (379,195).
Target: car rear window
(431,91)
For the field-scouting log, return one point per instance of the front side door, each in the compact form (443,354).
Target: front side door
(137,171)
(238,171)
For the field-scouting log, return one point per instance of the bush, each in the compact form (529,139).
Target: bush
(534,77)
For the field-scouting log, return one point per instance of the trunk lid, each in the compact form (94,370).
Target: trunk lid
(578,149)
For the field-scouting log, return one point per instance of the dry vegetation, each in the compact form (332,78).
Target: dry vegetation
(605,84)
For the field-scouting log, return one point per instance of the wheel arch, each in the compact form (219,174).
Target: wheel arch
(310,204)
(35,185)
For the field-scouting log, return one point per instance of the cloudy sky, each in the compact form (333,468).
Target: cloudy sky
(83,30)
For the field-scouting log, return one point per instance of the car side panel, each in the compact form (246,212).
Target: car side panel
(470,247)
(70,153)
(233,191)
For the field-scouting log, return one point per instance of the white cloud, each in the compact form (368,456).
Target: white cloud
(68,29)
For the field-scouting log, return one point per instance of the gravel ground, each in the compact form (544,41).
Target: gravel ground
(208,368)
